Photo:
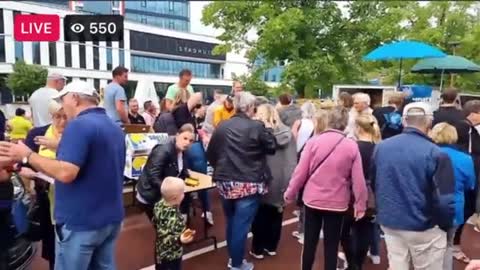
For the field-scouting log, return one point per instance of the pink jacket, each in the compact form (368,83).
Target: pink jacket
(330,186)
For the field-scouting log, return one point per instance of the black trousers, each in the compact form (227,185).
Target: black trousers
(331,223)
(468,210)
(169,265)
(356,238)
(266,228)
(147,209)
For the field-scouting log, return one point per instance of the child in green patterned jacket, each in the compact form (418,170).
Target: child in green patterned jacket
(170,227)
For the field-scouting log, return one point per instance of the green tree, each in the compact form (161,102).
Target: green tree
(253,83)
(322,44)
(26,78)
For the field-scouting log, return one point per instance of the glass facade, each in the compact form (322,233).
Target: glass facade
(52,53)
(98,7)
(273,74)
(18,50)
(96,55)
(2,38)
(163,66)
(36,52)
(173,15)
(68,54)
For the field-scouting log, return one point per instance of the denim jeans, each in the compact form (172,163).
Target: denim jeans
(239,214)
(86,250)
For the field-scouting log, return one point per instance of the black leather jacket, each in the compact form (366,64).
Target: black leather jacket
(238,148)
(162,162)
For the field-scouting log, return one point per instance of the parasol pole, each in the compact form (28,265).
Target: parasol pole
(441,80)
(400,74)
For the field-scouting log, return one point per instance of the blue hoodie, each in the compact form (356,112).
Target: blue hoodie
(464,179)
(413,182)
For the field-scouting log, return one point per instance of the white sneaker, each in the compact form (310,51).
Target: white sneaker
(256,256)
(300,240)
(374,258)
(245,266)
(297,234)
(270,253)
(341,256)
(209,217)
(229,264)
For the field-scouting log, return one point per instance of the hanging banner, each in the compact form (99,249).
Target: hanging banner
(418,92)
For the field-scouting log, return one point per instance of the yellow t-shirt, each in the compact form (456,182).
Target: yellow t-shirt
(20,127)
(221,114)
(45,152)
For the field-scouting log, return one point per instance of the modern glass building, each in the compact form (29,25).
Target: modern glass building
(173,15)
(150,53)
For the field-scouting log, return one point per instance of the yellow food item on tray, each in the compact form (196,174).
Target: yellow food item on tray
(192,182)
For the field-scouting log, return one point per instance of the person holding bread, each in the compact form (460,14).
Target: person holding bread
(171,232)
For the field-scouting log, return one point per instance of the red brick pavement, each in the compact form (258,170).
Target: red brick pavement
(135,247)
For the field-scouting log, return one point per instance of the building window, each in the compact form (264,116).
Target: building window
(96,84)
(171,24)
(122,54)
(83,57)
(115,3)
(96,56)
(36,52)
(274,77)
(2,48)
(145,64)
(143,19)
(265,76)
(68,54)
(18,50)
(143,3)
(109,56)
(170,6)
(52,53)
(2,30)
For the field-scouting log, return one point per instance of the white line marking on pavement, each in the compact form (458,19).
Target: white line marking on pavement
(222,244)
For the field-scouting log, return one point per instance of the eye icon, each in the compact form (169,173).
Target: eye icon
(77,28)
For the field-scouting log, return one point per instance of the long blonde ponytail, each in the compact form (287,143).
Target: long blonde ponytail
(369,124)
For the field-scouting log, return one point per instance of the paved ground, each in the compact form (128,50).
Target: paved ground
(135,246)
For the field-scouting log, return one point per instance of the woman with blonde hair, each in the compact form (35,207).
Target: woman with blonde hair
(267,224)
(445,135)
(359,235)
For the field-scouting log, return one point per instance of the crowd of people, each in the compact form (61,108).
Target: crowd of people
(354,172)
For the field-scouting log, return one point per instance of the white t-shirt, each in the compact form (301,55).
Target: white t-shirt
(39,101)
(304,133)
(180,162)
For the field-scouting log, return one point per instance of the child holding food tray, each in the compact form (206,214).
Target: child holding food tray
(171,232)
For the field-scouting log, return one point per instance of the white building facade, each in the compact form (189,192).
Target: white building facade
(147,51)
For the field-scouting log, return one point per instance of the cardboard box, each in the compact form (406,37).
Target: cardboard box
(139,146)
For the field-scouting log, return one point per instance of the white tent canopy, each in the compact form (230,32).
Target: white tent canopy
(145,91)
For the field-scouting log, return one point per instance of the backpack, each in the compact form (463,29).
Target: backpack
(393,120)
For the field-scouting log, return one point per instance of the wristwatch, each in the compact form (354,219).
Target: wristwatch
(25,159)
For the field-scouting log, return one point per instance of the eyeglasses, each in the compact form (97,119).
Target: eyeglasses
(60,117)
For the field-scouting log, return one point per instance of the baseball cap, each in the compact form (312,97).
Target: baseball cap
(56,76)
(79,87)
(54,106)
(417,109)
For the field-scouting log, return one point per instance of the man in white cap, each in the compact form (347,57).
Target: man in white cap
(40,99)
(414,185)
(88,173)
